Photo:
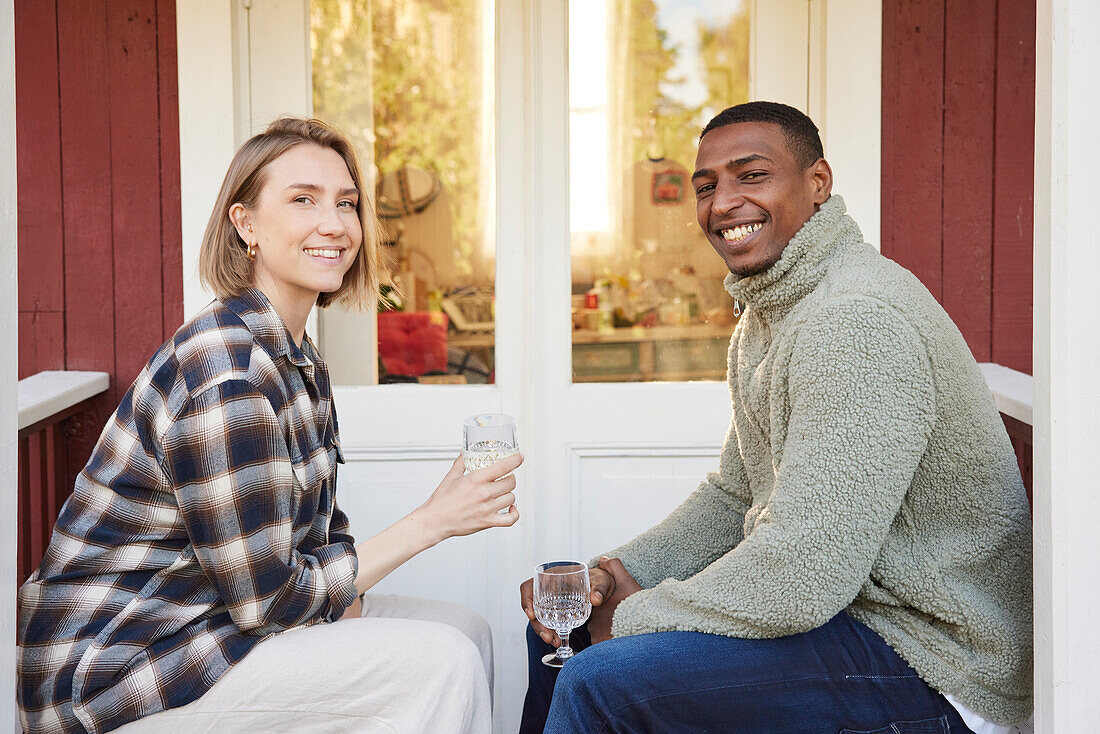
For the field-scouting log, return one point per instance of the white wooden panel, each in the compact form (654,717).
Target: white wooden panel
(850,117)
(1067,350)
(48,393)
(356,333)
(841,73)
(8,360)
(274,76)
(518,315)
(778,59)
(1012,390)
(278,43)
(647,413)
(207,102)
(384,416)
(618,492)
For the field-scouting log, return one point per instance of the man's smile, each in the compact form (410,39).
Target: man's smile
(740,232)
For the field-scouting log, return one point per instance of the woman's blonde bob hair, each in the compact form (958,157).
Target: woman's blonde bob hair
(224,265)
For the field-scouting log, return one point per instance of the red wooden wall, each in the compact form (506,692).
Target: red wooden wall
(958,109)
(100,263)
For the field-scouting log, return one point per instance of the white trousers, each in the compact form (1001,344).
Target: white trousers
(408,665)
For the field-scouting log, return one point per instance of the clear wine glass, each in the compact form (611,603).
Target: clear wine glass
(562,603)
(486,439)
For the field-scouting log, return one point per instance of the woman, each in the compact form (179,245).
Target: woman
(189,575)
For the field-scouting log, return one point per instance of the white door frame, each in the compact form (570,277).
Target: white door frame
(206,42)
(846,102)
(1066,430)
(9,360)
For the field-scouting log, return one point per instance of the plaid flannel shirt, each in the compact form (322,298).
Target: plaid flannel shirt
(204,521)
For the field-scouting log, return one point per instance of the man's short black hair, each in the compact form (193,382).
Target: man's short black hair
(802,137)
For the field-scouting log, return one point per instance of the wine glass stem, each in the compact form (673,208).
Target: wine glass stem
(564,651)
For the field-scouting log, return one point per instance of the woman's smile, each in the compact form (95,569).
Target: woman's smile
(331,254)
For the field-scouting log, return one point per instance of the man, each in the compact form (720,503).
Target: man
(862,559)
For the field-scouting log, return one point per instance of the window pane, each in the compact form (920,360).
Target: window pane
(410,81)
(645,77)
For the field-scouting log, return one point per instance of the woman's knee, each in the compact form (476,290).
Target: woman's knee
(475,629)
(459,616)
(453,648)
(473,625)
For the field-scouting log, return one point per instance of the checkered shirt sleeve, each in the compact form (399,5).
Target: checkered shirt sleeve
(227,457)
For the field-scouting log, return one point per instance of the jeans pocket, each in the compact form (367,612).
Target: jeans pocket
(938,725)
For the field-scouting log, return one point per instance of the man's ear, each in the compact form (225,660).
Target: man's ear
(822,177)
(239,216)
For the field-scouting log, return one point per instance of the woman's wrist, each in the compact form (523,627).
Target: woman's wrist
(426,527)
(382,553)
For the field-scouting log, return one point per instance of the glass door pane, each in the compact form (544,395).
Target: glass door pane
(411,82)
(645,77)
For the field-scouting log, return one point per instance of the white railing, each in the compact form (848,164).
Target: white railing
(45,401)
(48,394)
(1012,390)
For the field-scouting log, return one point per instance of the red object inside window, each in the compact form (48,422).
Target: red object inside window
(412,342)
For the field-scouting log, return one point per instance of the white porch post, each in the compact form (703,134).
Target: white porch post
(1067,354)
(207,99)
(9,327)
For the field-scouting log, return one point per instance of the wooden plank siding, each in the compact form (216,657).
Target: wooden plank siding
(38,130)
(135,200)
(171,216)
(86,186)
(1013,201)
(970,49)
(100,249)
(912,138)
(958,85)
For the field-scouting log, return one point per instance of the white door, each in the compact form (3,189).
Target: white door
(605,460)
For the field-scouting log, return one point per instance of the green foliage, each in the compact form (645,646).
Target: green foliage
(403,79)
(658,121)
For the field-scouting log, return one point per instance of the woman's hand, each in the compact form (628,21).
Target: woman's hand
(464,504)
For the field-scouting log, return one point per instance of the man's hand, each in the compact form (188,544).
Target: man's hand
(605,580)
(603,586)
(623,585)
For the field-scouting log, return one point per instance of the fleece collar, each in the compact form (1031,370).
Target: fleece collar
(774,292)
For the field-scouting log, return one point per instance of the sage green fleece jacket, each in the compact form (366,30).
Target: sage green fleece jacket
(866,469)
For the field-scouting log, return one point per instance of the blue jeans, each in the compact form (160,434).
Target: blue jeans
(840,678)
